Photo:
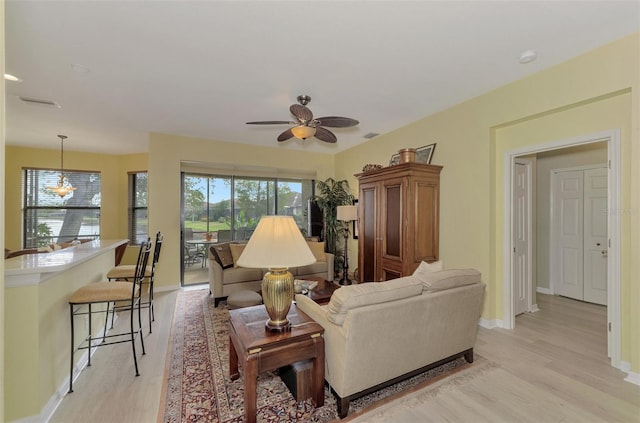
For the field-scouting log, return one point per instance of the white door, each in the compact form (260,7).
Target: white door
(567,225)
(521,217)
(579,266)
(595,236)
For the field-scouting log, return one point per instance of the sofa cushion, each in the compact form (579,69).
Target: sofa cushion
(425,267)
(241,274)
(447,279)
(309,269)
(317,248)
(353,296)
(236,252)
(222,254)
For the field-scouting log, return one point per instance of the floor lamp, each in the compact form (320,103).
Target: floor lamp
(347,214)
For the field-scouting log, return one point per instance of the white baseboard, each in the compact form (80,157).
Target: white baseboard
(544,291)
(632,377)
(167,288)
(491,324)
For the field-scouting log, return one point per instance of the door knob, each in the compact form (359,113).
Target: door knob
(604,253)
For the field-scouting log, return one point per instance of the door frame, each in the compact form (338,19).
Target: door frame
(612,138)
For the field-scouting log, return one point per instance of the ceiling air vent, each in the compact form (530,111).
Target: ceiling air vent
(39,101)
(371,135)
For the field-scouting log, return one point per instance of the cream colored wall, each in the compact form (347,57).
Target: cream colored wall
(589,154)
(471,144)
(113,171)
(37,353)
(166,152)
(2,225)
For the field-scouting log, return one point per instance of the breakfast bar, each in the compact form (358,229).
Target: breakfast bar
(37,288)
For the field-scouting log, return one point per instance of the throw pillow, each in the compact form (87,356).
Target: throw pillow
(222,254)
(425,267)
(353,296)
(317,248)
(447,279)
(236,252)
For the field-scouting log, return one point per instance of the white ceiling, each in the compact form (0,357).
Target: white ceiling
(204,68)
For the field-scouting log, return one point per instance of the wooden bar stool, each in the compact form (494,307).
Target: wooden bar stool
(83,299)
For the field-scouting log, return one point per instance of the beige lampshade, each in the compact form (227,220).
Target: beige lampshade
(347,213)
(303,132)
(276,243)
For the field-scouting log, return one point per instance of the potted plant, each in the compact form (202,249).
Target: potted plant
(329,195)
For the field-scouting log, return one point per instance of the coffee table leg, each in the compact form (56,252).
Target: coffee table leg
(318,372)
(233,361)
(250,391)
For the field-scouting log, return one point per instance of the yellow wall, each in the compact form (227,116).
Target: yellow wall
(2,226)
(166,152)
(113,170)
(37,343)
(595,91)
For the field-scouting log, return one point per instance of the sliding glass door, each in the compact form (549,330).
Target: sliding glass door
(228,208)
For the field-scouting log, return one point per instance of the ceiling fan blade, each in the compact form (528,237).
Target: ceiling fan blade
(325,135)
(270,122)
(302,113)
(337,121)
(285,135)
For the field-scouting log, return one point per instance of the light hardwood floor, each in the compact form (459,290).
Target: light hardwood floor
(553,367)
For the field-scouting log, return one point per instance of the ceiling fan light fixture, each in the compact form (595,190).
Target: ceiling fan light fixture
(302,132)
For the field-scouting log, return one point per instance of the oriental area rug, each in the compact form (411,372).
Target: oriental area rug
(198,388)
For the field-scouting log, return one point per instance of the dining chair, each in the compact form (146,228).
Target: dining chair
(83,300)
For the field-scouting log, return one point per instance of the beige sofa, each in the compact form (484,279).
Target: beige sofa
(379,333)
(226,278)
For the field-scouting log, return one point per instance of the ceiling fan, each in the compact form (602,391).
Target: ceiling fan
(306,125)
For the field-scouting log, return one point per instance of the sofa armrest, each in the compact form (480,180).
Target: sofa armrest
(216,278)
(330,270)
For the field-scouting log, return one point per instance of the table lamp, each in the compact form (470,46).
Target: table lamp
(277,244)
(346,214)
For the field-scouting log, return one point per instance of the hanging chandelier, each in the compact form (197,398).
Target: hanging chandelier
(64,186)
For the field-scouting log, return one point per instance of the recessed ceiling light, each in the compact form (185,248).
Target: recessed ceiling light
(528,56)
(9,77)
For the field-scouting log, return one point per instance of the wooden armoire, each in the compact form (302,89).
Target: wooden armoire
(398,220)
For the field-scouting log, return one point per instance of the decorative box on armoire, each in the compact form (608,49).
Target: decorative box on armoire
(399,217)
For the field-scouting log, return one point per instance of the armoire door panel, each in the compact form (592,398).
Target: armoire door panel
(425,227)
(367,238)
(392,231)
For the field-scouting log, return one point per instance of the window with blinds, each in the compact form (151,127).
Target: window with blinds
(138,201)
(48,218)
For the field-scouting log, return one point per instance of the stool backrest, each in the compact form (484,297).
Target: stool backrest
(141,264)
(156,250)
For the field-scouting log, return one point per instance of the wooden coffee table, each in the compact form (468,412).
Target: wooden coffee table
(322,293)
(261,350)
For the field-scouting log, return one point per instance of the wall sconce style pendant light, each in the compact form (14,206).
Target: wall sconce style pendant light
(64,187)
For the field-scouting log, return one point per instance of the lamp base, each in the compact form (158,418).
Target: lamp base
(345,281)
(277,327)
(277,295)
